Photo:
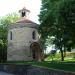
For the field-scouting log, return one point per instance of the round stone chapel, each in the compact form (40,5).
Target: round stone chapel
(23,40)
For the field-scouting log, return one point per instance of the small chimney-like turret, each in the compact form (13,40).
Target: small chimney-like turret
(24,12)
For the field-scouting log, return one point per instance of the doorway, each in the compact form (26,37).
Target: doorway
(36,51)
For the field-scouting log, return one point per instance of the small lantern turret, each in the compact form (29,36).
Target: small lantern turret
(24,12)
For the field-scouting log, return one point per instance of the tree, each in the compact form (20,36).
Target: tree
(4,22)
(67,20)
(56,18)
(49,21)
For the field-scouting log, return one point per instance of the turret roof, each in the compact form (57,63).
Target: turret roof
(24,20)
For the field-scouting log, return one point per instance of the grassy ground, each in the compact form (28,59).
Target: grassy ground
(66,66)
(58,65)
(70,56)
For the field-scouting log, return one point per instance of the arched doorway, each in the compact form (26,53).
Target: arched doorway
(36,51)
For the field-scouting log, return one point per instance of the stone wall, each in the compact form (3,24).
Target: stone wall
(19,47)
(31,70)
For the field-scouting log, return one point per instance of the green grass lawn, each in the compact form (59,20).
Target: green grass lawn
(57,65)
(66,66)
(70,56)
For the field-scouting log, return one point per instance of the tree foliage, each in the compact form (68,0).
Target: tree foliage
(57,18)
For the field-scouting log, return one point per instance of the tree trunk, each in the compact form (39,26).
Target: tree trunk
(62,55)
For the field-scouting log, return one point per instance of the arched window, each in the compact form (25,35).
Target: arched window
(23,14)
(10,35)
(34,35)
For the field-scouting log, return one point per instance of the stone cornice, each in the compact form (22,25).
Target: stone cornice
(21,25)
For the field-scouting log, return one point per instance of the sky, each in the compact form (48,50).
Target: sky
(10,6)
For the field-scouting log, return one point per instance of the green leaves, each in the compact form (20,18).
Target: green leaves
(57,18)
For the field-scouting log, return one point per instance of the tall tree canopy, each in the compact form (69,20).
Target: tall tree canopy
(57,18)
